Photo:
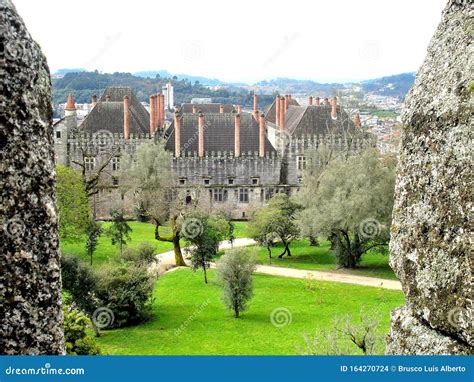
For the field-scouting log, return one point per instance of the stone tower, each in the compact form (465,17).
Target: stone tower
(430,249)
(30,278)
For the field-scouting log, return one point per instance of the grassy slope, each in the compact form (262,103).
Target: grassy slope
(212,329)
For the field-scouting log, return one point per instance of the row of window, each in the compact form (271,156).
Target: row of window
(230,181)
(89,163)
(220,195)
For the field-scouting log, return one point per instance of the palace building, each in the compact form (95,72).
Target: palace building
(240,158)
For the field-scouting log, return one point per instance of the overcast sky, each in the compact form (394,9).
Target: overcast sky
(245,40)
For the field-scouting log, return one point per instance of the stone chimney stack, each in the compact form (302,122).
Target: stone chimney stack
(221,109)
(126,117)
(285,103)
(239,109)
(152,114)
(177,134)
(334,108)
(201,135)
(155,112)
(357,122)
(310,100)
(255,103)
(261,137)
(277,110)
(317,101)
(282,114)
(94,101)
(159,112)
(237,136)
(70,109)
(194,109)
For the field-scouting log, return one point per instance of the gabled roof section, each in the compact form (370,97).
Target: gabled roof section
(108,113)
(219,133)
(271,110)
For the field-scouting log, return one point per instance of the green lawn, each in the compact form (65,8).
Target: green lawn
(320,258)
(190,319)
(142,232)
(106,251)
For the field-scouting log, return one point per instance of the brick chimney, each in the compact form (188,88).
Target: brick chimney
(239,109)
(277,110)
(255,102)
(94,101)
(357,122)
(201,135)
(317,101)
(285,103)
(310,100)
(163,111)
(261,137)
(70,109)
(282,114)
(237,136)
(160,110)
(177,134)
(221,109)
(155,112)
(126,118)
(334,108)
(194,109)
(255,115)
(152,114)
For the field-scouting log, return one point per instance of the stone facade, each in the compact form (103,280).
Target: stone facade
(268,161)
(431,245)
(30,279)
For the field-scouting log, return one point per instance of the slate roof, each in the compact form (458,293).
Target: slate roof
(219,133)
(304,120)
(108,115)
(206,107)
(271,110)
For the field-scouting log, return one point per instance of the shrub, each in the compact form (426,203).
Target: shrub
(75,334)
(143,256)
(234,274)
(127,291)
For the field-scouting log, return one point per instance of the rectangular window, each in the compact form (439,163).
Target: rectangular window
(206,181)
(220,195)
(231,181)
(115,181)
(301,161)
(89,163)
(58,134)
(244,195)
(115,164)
(254,180)
(182,181)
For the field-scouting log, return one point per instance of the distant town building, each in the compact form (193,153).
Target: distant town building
(167,91)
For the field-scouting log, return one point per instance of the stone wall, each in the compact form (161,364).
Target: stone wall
(431,249)
(30,279)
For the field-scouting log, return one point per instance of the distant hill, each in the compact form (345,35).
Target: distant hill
(83,85)
(396,86)
(291,86)
(166,74)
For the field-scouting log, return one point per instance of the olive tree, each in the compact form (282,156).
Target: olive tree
(148,179)
(350,201)
(276,221)
(234,275)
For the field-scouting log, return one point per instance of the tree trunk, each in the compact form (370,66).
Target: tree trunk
(205,273)
(236,311)
(269,249)
(95,328)
(313,241)
(286,251)
(178,256)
